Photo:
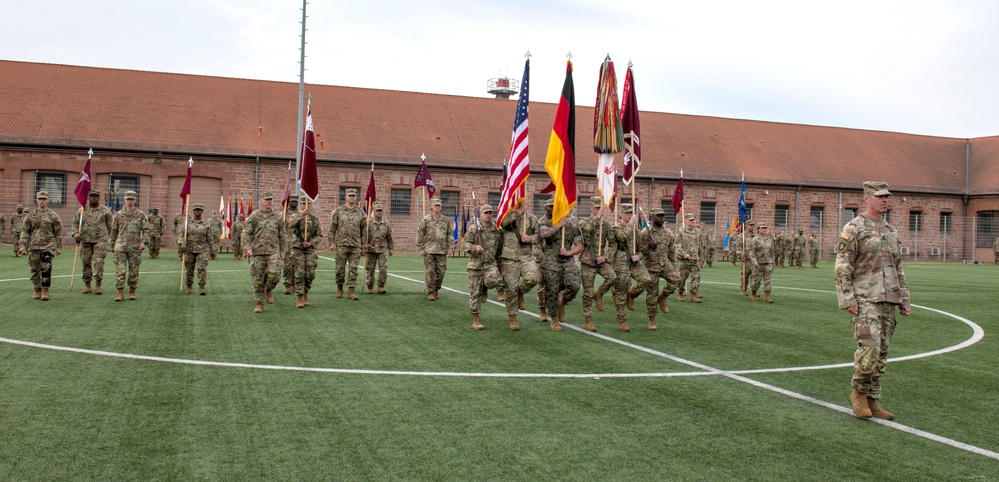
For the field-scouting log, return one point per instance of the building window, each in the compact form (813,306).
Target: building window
(946,223)
(493,199)
(708,213)
(401,202)
(54,183)
(538,204)
(816,216)
(849,214)
(449,202)
(915,221)
(667,206)
(749,211)
(987,229)
(120,183)
(781,215)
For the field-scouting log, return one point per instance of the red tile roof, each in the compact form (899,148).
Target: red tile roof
(125,109)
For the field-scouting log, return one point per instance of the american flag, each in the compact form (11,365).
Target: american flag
(518,167)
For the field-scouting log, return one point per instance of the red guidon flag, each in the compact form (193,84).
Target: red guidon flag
(560,162)
(308,176)
(83,185)
(632,129)
(185,190)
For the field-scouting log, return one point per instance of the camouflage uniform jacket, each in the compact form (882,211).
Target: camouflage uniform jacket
(761,250)
(664,253)
(707,241)
(156,225)
(16,223)
(41,231)
(263,233)
(347,226)
(491,238)
(128,229)
(780,242)
(434,234)
(237,229)
(305,228)
(625,234)
(96,224)
(570,234)
(380,237)
(178,225)
(688,242)
(200,238)
(797,242)
(869,264)
(216,225)
(3,223)
(513,248)
(590,228)
(290,216)
(812,244)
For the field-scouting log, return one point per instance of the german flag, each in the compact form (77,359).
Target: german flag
(560,162)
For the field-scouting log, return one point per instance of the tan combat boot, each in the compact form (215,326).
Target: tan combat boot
(45,294)
(652,322)
(477,322)
(694,298)
(259,308)
(305,299)
(662,302)
(350,293)
(287,290)
(514,326)
(121,294)
(300,302)
(630,301)
(432,296)
(589,326)
(37,295)
(598,297)
(86,288)
(339,291)
(555,325)
(131,293)
(679,296)
(542,315)
(521,303)
(622,324)
(877,411)
(561,313)
(860,406)
(381,291)
(201,290)
(501,295)
(767,298)
(189,289)
(269,298)
(371,290)
(754,296)
(97,288)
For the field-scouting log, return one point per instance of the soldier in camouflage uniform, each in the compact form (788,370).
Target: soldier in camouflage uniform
(237,237)
(870,283)
(518,263)
(433,239)
(798,248)
(380,247)
(745,267)
(289,268)
(129,229)
(264,236)
(707,246)
(812,245)
(178,232)
(628,266)
(995,247)
(16,223)
(156,225)
(346,233)
(200,245)
(657,242)
(305,234)
(482,242)
(735,246)
(92,237)
(560,243)
(688,243)
(3,225)
(761,256)
(41,239)
(599,246)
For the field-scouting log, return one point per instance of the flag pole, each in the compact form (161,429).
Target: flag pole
(72,277)
(301,99)
(183,256)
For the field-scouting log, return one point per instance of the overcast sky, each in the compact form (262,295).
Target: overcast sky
(923,67)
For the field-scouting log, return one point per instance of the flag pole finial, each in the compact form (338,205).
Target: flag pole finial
(630,65)
(90,153)
(569,55)
(190,162)
(607,58)
(528,54)
(423,157)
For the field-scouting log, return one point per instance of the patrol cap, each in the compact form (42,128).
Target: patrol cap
(155,209)
(293,200)
(351,192)
(378,207)
(690,217)
(266,195)
(20,206)
(197,206)
(94,192)
(876,188)
(42,195)
(304,199)
(131,195)
(486,208)
(550,202)
(656,211)
(435,202)
(596,201)
(751,222)
(763,226)
(627,208)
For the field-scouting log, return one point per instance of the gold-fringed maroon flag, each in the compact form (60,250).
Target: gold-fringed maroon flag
(632,130)
(424,179)
(560,161)
(83,185)
(607,134)
(308,176)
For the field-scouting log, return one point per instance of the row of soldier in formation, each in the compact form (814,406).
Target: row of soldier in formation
(792,247)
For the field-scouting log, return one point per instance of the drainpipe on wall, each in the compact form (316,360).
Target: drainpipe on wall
(797,195)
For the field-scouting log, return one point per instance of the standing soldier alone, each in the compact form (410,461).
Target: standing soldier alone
(347,229)
(482,242)
(798,248)
(813,249)
(92,236)
(41,239)
(761,255)
(156,225)
(380,246)
(16,223)
(237,237)
(264,235)
(433,239)
(688,245)
(129,229)
(200,245)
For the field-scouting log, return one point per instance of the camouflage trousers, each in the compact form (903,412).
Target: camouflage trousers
(489,278)
(196,262)
(372,261)
(672,277)
(689,268)
(627,271)
(709,257)
(92,255)
(265,271)
(745,274)
(40,263)
(154,246)
(796,256)
(126,268)
(779,257)
(589,277)
(434,268)
(873,327)
(519,276)
(763,274)
(303,261)
(813,256)
(561,279)
(237,248)
(347,258)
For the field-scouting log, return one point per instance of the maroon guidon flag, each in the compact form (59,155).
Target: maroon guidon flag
(632,129)
(677,201)
(185,190)
(308,177)
(369,196)
(423,179)
(83,185)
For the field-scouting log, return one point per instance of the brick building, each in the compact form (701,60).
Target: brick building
(241,133)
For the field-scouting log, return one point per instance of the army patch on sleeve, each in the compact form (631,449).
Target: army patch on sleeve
(841,245)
